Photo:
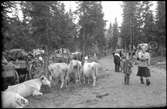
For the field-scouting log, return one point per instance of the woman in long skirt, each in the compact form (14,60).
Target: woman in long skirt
(143,70)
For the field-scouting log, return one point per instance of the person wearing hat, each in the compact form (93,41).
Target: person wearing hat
(117,60)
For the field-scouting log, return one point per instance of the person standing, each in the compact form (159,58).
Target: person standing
(117,60)
(127,69)
(143,63)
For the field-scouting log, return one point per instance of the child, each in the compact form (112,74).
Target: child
(127,65)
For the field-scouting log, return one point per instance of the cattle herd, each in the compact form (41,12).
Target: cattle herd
(23,73)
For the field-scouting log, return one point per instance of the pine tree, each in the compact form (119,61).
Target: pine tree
(92,25)
(43,24)
(129,25)
(161,26)
(115,34)
(109,36)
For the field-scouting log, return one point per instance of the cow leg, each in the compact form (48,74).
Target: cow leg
(79,77)
(36,93)
(78,74)
(94,80)
(84,79)
(88,80)
(66,80)
(17,77)
(53,81)
(62,81)
(76,77)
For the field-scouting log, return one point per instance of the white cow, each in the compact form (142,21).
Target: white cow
(90,69)
(75,67)
(13,100)
(30,87)
(37,52)
(58,72)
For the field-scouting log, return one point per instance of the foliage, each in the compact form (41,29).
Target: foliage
(129,25)
(161,27)
(115,34)
(43,24)
(48,24)
(92,25)
(161,22)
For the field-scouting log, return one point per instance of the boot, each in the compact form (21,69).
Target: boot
(147,82)
(141,80)
(115,68)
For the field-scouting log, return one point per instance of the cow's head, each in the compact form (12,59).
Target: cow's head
(86,57)
(45,81)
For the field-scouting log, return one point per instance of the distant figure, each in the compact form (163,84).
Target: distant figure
(127,69)
(117,60)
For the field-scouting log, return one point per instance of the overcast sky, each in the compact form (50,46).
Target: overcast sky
(111,9)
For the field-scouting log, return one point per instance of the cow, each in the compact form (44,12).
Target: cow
(77,56)
(58,71)
(90,69)
(13,100)
(30,87)
(36,52)
(75,67)
(9,75)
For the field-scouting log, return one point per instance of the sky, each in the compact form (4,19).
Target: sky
(111,10)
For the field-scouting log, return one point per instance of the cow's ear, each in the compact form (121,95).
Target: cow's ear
(42,77)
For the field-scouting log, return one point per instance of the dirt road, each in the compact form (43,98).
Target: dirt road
(109,91)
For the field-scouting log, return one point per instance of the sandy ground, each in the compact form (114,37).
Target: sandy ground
(109,91)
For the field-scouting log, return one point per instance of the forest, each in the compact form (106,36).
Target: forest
(46,23)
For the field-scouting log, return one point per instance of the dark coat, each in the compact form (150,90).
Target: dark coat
(117,59)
